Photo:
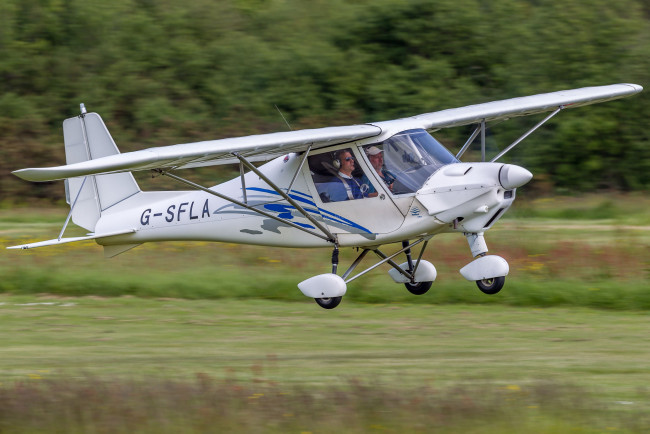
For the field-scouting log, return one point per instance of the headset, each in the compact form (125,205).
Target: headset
(336,162)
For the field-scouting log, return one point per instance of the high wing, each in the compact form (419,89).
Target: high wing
(267,146)
(524,106)
(256,148)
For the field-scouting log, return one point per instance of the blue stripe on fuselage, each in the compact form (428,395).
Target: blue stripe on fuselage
(326,214)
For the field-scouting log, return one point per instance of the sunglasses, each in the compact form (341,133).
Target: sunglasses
(349,159)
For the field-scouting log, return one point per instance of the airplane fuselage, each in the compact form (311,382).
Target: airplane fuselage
(461,197)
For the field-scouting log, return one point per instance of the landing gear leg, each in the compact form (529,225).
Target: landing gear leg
(407,252)
(477,244)
(335,258)
(331,302)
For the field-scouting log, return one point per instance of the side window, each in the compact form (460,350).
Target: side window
(338,177)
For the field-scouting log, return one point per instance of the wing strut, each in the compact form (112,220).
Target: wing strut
(302,162)
(243,205)
(468,142)
(243,181)
(516,142)
(483,140)
(288,198)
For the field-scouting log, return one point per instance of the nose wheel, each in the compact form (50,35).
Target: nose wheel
(485,265)
(492,285)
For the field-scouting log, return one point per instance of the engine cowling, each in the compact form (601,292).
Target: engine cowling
(474,195)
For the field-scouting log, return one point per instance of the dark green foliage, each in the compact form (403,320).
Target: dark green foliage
(167,72)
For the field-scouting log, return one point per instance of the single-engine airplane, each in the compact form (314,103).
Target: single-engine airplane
(359,186)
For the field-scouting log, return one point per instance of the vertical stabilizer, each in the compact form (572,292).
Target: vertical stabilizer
(87,138)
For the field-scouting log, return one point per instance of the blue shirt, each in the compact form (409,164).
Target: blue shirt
(337,191)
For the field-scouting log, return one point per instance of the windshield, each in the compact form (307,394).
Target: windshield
(409,157)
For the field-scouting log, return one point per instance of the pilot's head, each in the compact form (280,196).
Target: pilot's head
(346,161)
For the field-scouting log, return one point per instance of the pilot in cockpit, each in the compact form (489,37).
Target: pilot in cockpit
(348,187)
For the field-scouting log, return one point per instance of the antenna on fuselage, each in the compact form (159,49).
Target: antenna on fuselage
(285,119)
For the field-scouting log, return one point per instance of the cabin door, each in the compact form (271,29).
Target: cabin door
(348,196)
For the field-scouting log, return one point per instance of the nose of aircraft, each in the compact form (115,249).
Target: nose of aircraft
(511,176)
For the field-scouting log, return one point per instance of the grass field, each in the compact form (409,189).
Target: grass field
(579,368)
(216,337)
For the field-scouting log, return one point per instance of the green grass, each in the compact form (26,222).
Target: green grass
(553,263)
(280,284)
(395,343)
(395,365)
(617,208)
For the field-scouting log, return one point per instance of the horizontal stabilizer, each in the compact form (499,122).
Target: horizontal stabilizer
(69,240)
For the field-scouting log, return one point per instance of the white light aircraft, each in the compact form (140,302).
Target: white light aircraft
(359,186)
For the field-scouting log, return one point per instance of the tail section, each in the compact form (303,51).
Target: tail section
(86,138)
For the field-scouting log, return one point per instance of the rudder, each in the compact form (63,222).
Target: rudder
(86,138)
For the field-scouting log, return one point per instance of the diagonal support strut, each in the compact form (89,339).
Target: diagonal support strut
(67,220)
(301,210)
(385,259)
(528,133)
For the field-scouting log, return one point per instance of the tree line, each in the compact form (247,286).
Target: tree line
(165,72)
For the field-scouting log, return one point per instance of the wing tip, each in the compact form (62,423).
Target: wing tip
(635,87)
(33,175)
(22,174)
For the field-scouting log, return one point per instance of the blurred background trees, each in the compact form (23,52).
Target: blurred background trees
(165,72)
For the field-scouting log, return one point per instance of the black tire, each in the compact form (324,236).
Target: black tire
(328,303)
(418,288)
(491,286)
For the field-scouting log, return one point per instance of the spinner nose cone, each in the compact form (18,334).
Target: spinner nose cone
(511,176)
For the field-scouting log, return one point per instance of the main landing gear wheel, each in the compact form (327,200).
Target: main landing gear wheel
(418,288)
(491,286)
(328,303)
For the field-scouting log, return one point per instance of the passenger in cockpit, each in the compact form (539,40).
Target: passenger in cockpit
(376,158)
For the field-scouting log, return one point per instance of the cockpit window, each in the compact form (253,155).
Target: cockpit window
(338,177)
(409,158)
(403,163)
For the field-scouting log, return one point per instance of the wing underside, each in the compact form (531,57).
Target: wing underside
(267,146)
